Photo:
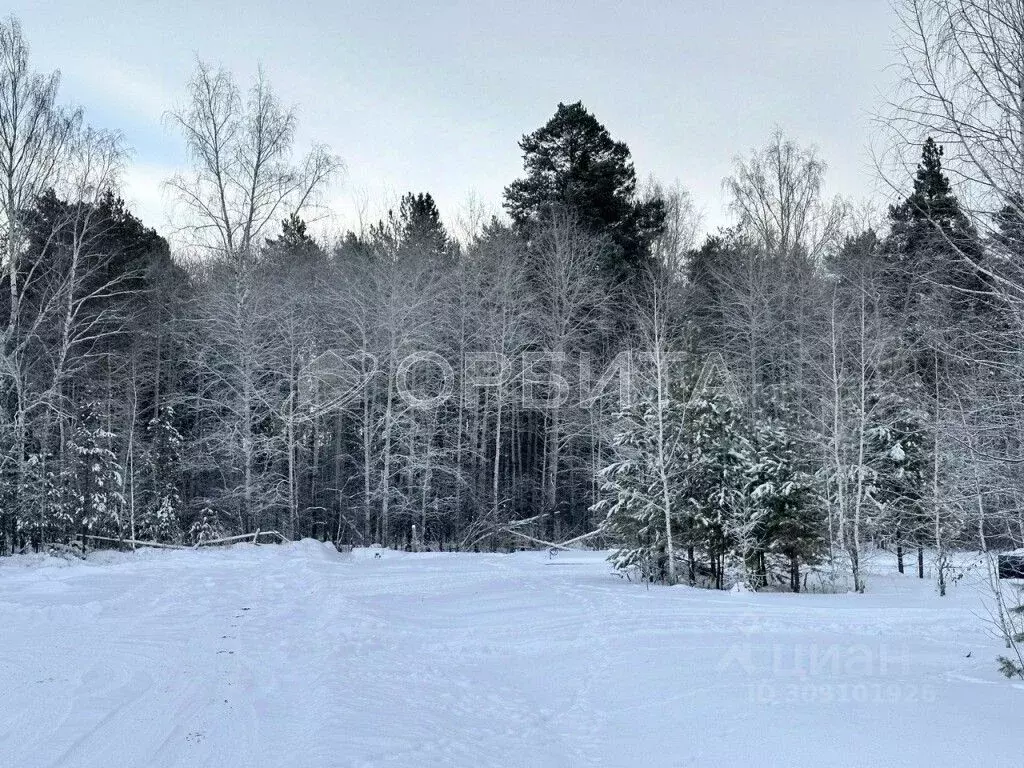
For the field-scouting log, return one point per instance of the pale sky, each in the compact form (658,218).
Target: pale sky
(421,98)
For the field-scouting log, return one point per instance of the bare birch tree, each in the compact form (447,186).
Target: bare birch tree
(244,176)
(777,196)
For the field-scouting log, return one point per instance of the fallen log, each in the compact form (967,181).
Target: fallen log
(551,544)
(250,537)
(135,542)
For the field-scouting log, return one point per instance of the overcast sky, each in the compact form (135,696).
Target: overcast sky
(421,98)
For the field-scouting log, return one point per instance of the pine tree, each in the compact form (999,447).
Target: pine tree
(930,253)
(705,269)
(158,519)
(413,237)
(931,215)
(707,462)
(423,235)
(50,499)
(1009,232)
(898,459)
(100,476)
(205,527)
(293,250)
(1012,627)
(575,168)
(940,304)
(635,513)
(1004,260)
(784,518)
(717,464)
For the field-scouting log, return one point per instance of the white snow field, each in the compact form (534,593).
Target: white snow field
(295,655)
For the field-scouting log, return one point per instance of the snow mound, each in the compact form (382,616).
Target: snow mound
(313,549)
(34,560)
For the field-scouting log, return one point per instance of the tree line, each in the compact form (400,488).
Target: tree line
(802,384)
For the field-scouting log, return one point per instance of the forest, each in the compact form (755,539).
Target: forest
(589,366)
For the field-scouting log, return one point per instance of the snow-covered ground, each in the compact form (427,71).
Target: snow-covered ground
(298,656)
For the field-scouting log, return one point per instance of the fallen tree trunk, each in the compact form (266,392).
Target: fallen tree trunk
(551,544)
(135,542)
(250,537)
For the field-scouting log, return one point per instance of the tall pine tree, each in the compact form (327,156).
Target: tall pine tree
(574,167)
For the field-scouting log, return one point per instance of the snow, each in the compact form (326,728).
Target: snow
(296,655)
